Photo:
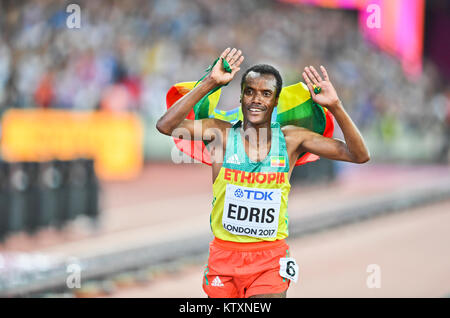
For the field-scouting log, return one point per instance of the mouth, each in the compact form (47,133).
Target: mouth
(256,109)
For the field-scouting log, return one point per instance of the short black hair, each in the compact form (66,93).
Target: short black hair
(264,69)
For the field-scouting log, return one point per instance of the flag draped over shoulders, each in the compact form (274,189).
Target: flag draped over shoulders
(295,107)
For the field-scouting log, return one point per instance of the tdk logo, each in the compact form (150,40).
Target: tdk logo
(254,194)
(238,193)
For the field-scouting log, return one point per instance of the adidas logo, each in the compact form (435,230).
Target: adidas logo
(233,159)
(217,282)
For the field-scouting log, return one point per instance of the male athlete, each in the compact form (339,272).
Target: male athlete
(248,256)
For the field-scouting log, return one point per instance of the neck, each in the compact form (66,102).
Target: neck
(256,129)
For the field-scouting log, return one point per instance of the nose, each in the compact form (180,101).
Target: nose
(257,98)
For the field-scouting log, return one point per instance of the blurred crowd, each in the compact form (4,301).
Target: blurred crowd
(127,54)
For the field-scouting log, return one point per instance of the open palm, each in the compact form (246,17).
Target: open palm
(327,96)
(234,58)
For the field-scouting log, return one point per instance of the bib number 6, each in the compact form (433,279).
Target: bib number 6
(289,269)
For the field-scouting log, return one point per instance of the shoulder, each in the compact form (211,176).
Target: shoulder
(215,129)
(295,136)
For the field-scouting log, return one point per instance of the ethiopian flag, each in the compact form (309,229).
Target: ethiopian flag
(277,161)
(295,107)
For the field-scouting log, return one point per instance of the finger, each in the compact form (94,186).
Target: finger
(316,74)
(225,52)
(230,55)
(235,57)
(239,61)
(311,77)
(235,70)
(325,73)
(309,84)
(236,66)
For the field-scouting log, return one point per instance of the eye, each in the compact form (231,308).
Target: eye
(267,93)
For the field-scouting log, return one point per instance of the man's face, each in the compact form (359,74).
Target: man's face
(258,97)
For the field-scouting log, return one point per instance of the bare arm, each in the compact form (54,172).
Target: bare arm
(175,116)
(353,149)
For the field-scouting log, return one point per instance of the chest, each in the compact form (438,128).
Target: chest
(257,151)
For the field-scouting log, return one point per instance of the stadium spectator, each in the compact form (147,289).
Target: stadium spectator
(127,54)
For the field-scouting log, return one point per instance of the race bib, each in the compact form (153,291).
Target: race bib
(251,211)
(289,269)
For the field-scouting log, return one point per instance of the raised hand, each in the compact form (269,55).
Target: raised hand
(327,96)
(234,58)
